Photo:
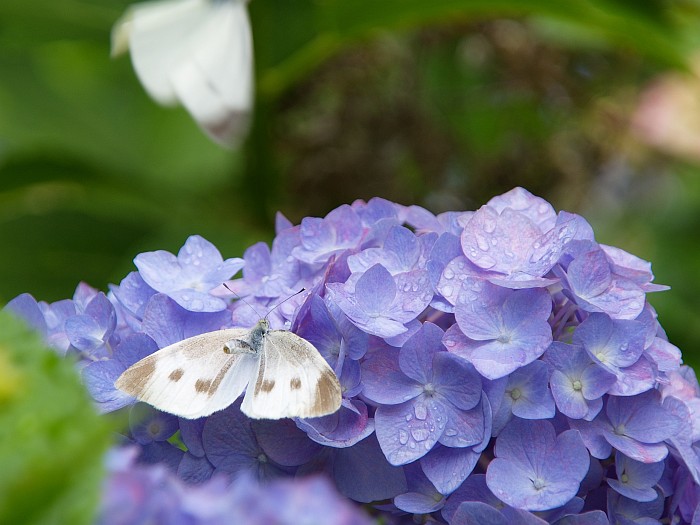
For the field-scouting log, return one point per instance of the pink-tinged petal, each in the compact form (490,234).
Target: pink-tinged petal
(589,274)
(499,242)
(664,355)
(635,379)
(538,210)
(546,251)
(621,300)
(644,452)
(461,281)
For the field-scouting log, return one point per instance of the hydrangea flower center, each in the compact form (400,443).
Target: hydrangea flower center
(619,430)
(515,394)
(504,339)
(262,458)
(538,483)
(429,389)
(577,385)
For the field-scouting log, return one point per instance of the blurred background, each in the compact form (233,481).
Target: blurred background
(591,104)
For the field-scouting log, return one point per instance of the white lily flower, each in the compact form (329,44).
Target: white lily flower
(198,53)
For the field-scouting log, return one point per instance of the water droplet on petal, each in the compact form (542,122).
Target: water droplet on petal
(428,445)
(448,273)
(409,417)
(421,411)
(450,432)
(482,243)
(420,434)
(489,226)
(403,437)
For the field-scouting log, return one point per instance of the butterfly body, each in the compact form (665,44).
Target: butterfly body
(282,374)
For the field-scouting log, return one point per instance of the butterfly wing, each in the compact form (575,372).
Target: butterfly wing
(158,35)
(293,380)
(192,378)
(197,52)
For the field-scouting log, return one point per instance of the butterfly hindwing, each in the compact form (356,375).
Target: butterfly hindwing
(192,378)
(293,380)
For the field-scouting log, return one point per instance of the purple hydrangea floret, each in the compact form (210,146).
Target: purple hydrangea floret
(497,366)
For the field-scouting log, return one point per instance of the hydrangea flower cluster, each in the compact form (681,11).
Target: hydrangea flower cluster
(137,493)
(497,366)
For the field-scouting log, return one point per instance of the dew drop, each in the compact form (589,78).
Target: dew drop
(411,445)
(403,437)
(428,445)
(409,417)
(420,434)
(450,432)
(421,411)
(448,273)
(197,305)
(489,226)
(482,243)
(449,343)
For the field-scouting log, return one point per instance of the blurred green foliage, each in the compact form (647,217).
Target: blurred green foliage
(51,439)
(442,103)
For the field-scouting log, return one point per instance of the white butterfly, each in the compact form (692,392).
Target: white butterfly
(195,52)
(285,375)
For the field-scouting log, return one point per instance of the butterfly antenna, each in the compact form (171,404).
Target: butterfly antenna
(283,301)
(246,302)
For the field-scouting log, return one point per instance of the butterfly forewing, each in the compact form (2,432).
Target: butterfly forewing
(293,380)
(192,378)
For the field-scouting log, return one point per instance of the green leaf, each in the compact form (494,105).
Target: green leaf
(52,441)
